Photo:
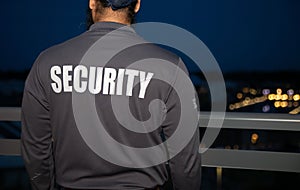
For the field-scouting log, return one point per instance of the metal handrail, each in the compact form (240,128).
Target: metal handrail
(241,159)
(10,114)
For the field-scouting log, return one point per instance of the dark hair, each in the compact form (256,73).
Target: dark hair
(105,4)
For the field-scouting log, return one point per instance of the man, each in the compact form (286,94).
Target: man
(54,148)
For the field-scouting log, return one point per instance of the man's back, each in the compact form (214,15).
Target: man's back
(66,87)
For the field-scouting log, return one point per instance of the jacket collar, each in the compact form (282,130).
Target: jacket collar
(110,26)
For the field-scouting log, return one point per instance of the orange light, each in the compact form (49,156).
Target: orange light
(254,138)
(239,95)
(278,97)
(257,100)
(295,111)
(279,91)
(284,104)
(247,99)
(253,91)
(232,107)
(296,97)
(246,90)
(277,104)
(238,106)
(236,147)
(228,147)
(271,97)
(285,97)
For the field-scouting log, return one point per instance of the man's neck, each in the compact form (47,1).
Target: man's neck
(108,15)
(125,22)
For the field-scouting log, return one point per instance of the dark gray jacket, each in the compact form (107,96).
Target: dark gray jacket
(53,147)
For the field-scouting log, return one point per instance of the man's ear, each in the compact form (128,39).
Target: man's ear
(138,6)
(92,4)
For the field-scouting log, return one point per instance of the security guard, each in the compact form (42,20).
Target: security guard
(54,149)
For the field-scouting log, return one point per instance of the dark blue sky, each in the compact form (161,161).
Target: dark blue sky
(243,35)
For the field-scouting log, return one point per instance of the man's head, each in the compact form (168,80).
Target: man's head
(121,11)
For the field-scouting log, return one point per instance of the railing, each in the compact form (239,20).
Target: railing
(255,160)
(219,158)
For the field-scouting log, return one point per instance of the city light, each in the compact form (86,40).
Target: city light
(271,97)
(227,147)
(278,97)
(296,97)
(282,98)
(239,95)
(277,104)
(290,92)
(246,90)
(266,92)
(266,108)
(231,107)
(247,102)
(279,91)
(295,111)
(236,147)
(284,104)
(253,91)
(254,138)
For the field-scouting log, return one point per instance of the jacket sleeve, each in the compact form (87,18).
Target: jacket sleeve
(36,136)
(185,167)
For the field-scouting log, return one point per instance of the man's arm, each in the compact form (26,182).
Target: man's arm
(36,138)
(185,167)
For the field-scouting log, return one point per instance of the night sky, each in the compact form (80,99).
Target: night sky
(247,35)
